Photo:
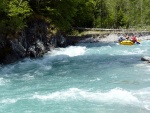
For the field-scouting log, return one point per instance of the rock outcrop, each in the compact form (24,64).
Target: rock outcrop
(33,42)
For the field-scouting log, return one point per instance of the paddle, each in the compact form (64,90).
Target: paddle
(137,42)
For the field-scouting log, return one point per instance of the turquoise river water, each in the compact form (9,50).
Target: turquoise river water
(102,77)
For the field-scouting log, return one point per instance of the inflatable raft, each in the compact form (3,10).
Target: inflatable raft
(128,42)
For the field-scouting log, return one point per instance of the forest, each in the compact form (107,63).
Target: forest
(67,14)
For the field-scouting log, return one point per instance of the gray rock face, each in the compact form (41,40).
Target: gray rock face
(32,42)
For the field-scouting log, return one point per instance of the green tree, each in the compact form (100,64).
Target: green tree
(13,15)
(65,14)
(57,12)
(101,14)
(85,14)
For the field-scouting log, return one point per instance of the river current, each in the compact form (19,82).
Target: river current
(102,77)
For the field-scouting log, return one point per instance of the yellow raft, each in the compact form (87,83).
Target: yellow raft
(126,42)
(129,42)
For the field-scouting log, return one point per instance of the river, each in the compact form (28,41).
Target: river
(102,77)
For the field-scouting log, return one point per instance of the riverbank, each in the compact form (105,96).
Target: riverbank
(33,44)
(98,35)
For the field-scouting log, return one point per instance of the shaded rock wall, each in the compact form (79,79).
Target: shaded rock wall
(33,42)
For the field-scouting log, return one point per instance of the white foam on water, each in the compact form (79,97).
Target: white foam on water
(3,81)
(27,68)
(97,79)
(147,107)
(145,67)
(143,92)
(98,50)
(148,67)
(28,76)
(113,96)
(136,98)
(8,101)
(132,51)
(70,51)
(144,96)
(139,50)
(141,65)
(147,80)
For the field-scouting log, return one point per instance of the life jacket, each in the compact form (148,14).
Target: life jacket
(134,39)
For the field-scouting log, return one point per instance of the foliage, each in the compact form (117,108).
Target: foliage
(65,14)
(13,15)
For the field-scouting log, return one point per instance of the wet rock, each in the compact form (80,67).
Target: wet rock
(32,42)
(29,43)
(145,58)
(61,41)
(17,48)
(32,52)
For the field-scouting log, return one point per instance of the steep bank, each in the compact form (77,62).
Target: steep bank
(36,40)
(33,42)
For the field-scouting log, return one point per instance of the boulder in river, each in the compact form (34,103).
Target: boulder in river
(145,58)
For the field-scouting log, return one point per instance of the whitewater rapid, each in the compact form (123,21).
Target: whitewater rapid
(86,78)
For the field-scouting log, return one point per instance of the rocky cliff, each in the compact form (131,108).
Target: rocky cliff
(33,42)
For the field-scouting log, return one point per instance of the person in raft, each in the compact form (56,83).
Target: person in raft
(121,38)
(134,40)
(127,37)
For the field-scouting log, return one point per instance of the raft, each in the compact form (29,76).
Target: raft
(126,42)
(129,42)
